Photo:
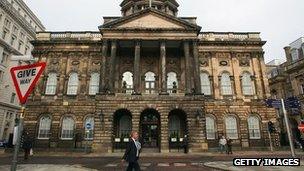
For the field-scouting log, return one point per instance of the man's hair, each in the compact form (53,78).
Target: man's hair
(132,133)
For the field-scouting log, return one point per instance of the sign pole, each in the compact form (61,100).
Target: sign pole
(18,141)
(270,140)
(288,129)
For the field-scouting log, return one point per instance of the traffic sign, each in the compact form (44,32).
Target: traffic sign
(25,78)
(89,126)
(301,126)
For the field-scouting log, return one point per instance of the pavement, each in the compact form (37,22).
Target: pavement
(63,161)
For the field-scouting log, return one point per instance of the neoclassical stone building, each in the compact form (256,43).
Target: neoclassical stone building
(154,72)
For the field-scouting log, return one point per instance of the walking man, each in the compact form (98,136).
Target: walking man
(229,146)
(26,144)
(223,143)
(132,152)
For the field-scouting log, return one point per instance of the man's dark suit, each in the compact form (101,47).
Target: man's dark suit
(130,156)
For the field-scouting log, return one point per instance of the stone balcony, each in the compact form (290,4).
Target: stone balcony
(229,36)
(299,64)
(86,35)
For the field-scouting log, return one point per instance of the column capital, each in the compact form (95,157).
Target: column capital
(137,42)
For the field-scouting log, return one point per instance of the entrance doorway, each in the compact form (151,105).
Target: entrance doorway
(150,128)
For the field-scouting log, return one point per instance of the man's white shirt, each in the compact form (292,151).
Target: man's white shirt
(138,146)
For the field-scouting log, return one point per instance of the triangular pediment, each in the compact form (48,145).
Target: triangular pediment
(151,21)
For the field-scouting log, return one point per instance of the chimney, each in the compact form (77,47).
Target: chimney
(288,54)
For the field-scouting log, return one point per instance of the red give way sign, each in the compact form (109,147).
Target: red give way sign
(25,78)
(301,126)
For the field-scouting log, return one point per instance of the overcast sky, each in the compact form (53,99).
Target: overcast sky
(279,21)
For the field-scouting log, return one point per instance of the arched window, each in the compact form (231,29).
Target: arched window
(210,128)
(172,83)
(205,84)
(51,84)
(73,84)
(125,126)
(150,82)
(44,127)
(231,127)
(67,130)
(89,133)
(226,84)
(247,84)
(94,84)
(127,82)
(254,127)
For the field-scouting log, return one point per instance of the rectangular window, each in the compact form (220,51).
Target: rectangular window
(294,54)
(7,23)
(13,40)
(26,50)
(13,97)
(4,59)
(4,34)
(20,45)
(15,30)
(1,76)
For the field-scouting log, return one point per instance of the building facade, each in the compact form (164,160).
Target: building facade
(287,80)
(153,72)
(17,28)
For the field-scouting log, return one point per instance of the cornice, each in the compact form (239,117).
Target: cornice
(233,42)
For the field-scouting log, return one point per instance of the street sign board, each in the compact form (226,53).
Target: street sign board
(89,126)
(25,78)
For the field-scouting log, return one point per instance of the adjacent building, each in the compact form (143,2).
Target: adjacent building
(151,71)
(18,25)
(287,80)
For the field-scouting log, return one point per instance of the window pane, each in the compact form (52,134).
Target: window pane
(254,127)
(210,128)
(51,84)
(67,128)
(44,127)
(73,84)
(205,84)
(226,84)
(171,82)
(94,84)
(231,127)
(247,84)
(127,80)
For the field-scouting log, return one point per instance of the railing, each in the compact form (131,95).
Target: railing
(230,36)
(69,35)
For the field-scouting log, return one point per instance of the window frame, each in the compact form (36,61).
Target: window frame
(254,129)
(62,128)
(49,130)
(226,85)
(94,86)
(150,82)
(247,87)
(228,126)
(129,83)
(171,78)
(214,128)
(51,84)
(205,86)
(72,88)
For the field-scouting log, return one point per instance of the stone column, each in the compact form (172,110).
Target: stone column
(111,77)
(103,66)
(188,67)
(137,68)
(163,68)
(236,73)
(197,79)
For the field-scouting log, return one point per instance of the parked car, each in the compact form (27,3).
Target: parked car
(3,144)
